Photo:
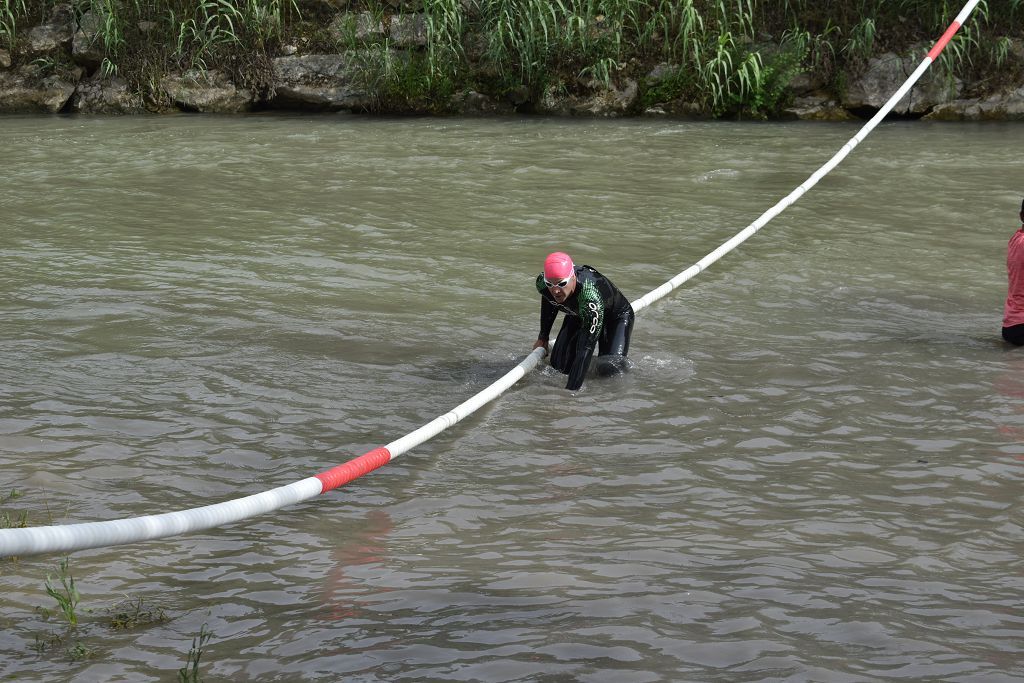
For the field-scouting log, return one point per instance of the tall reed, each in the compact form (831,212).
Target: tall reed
(10,12)
(446,22)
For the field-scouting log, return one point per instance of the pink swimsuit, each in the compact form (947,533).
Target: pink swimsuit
(1013,313)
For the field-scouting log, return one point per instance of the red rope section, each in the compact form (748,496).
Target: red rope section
(953,28)
(354,468)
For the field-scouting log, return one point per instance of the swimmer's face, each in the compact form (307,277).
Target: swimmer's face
(562,289)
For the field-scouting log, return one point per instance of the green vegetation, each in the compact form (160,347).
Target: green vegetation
(726,57)
(133,612)
(17,520)
(190,672)
(74,640)
(66,594)
(67,597)
(10,12)
(79,651)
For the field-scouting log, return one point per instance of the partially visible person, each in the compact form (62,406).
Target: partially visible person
(596,315)
(1013,311)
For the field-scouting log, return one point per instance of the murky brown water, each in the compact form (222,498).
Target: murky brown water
(812,474)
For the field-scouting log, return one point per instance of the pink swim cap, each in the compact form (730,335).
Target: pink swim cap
(557,266)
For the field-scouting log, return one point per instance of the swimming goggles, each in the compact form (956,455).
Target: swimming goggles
(560,284)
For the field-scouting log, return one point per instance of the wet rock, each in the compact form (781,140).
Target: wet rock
(321,5)
(817,107)
(555,101)
(45,39)
(472,103)
(600,102)
(804,83)
(210,92)
(661,72)
(408,30)
(53,36)
(361,27)
(886,73)
(369,28)
(106,96)
(320,82)
(661,75)
(957,110)
(679,108)
(26,91)
(518,96)
(1004,106)
(86,46)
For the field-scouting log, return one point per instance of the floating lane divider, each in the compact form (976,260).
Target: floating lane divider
(69,537)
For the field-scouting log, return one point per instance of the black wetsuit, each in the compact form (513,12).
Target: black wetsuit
(596,314)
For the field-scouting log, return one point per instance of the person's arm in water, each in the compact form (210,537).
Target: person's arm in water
(592,318)
(548,313)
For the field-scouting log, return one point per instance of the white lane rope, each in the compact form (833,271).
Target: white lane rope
(68,537)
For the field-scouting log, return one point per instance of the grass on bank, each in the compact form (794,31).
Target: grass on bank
(727,57)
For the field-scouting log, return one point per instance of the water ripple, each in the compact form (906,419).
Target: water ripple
(811,472)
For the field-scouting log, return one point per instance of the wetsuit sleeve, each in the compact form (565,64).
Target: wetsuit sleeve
(548,313)
(591,321)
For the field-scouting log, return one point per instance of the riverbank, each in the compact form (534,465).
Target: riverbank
(684,59)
